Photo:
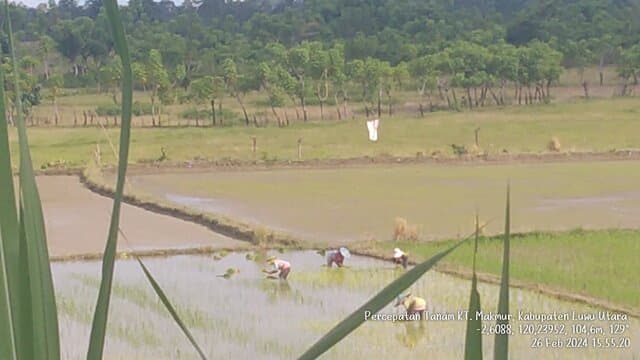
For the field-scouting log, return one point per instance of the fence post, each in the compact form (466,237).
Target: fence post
(253,145)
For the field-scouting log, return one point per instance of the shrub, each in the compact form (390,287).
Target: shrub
(140,109)
(554,144)
(108,110)
(403,231)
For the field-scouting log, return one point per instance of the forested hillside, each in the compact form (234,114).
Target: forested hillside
(295,50)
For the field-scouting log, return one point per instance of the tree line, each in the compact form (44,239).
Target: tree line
(328,51)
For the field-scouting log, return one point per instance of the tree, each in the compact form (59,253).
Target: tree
(158,81)
(423,71)
(110,76)
(45,46)
(55,83)
(298,62)
(232,82)
(630,67)
(208,88)
(468,64)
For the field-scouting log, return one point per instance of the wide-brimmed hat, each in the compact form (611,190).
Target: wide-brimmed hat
(397,253)
(400,299)
(271,259)
(345,252)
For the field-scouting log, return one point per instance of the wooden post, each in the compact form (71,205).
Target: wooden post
(299,148)
(253,145)
(477,135)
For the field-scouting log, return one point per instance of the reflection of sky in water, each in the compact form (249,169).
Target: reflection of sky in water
(248,316)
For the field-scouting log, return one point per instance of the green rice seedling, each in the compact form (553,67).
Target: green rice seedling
(501,345)
(473,339)
(375,304)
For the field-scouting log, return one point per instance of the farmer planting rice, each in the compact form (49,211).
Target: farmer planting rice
(414,305)
(337,256)
(280,267)
(400,257)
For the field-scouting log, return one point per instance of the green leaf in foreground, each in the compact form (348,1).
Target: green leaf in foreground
(8,239)
(501,345)
(39,336)
(376,304)
(99,324)
(473,339)
(170,307)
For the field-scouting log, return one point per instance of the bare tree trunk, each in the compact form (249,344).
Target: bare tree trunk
(153,110)
(379,103)
(601,69)
(469,98)
(220,112)
(585,87)
(273,110)
(335,98)
(213,111)
(244,110)
(56,114)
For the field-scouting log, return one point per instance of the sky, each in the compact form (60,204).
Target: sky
(34,3)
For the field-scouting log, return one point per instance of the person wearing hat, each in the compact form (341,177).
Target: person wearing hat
(400,257)
(337,256)
(412,304)
(280,267)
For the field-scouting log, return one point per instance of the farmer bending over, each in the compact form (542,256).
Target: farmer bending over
(280,267)
(412,304)
(400,257)
(337,256)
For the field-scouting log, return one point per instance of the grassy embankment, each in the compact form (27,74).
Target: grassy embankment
(598,125)
(600,264)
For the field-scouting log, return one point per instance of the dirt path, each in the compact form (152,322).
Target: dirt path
(77,222)
(380,160)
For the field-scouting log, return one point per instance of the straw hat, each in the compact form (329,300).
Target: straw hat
(271,259)
(397,253)
(345,252)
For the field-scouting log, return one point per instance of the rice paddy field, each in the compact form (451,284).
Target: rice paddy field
(248,316)
(344,205)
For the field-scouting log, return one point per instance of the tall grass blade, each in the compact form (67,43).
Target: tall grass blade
(473,339)
(99,324)
(501,345)
(170,308)
(8,239)
(45,342)
(379,301)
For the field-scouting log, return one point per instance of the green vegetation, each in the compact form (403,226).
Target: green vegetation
(298,55)
(601,125)
(577,261)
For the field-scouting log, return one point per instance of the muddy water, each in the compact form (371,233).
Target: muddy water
(77,222)
(341,205)
(250,317)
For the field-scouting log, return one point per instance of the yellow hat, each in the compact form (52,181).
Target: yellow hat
(271,259)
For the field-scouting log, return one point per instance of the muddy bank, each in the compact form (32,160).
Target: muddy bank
(383,159)
(218,224)
(77,222)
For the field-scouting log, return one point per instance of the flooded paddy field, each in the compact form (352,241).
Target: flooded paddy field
(77,222)
(248,316)
(350,204)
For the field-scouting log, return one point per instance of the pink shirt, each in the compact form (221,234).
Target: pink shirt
(281,264)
